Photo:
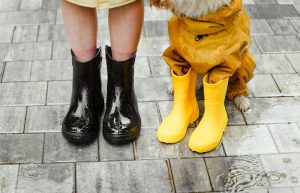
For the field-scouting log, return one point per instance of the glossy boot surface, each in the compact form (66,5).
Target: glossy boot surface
(185,109)
(121,122)
(82,122)
(208,134)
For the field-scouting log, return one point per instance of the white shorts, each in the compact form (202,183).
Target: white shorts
(101,4)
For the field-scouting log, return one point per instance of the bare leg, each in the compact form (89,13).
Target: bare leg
(125,25)
(81,29)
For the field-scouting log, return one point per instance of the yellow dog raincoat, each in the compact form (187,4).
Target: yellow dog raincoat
(216,44)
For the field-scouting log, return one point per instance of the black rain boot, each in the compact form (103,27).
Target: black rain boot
(122,122)
(82,122)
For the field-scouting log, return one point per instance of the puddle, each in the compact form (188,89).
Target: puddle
(246,173)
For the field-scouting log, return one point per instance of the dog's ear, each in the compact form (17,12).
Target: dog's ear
(160,3)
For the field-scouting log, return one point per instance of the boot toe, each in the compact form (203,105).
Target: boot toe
(121,136)
(169,136)
(200,145)
(79,135)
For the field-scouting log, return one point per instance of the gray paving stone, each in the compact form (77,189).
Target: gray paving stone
(49,5)
(279,190)
(265,1)
(272,64)
(289,84)
(27,17)
(253,47)
(12,119)
(17,71)
(235,117)
(58,149)
(59,17)
(274,110)
(286,137)
(21,148)
(237,174)
(148,147)
(260,27)
(156,14)
(271,11)
(6,33)
(8,178)
(45,118)
(263,86)
(285,1)
(29,51)
(26,33)
(285,168)
(8,5)
(296,23)
(247,140)
(114,153)
(46,178)
(156,28)
(4,48)
(137,176)
(47,70)
(295,58)
(149,89)
(59,92)
(31,4)
(159,67)
(51,33)
(190,175)
(282,27)
(149,114)
(278,44)
(246,2)
(2,65)
(23,93)
(152,46)
(296,189)
(142,68)
(103,30)
(61,50)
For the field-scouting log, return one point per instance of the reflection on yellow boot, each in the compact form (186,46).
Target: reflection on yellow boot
(185,109)
(208,134)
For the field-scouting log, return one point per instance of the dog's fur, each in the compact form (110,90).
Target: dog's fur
(195,9)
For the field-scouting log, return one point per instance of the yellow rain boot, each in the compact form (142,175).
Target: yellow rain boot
(185,109)
(208,134)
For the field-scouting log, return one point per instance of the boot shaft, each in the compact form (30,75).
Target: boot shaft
(87,71)
(215,93)
(120,75)
(185,85)
(86,77)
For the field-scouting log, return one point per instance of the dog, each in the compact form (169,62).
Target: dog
(193,9)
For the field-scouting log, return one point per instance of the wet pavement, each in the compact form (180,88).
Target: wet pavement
(260,152)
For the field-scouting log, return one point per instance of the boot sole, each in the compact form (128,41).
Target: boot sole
(119,140)
(80,138)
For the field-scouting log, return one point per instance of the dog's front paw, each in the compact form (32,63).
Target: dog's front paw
(242,103)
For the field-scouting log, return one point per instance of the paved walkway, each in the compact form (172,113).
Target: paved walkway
(260,151)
